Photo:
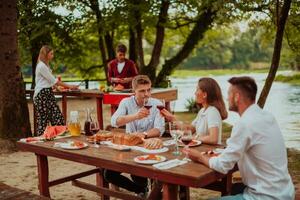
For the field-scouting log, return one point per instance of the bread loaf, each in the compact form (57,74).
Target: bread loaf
(126,139)
(153,143)
(100,137)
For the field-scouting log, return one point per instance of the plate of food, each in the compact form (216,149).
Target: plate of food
(149,159)
(73,145)
(192,143)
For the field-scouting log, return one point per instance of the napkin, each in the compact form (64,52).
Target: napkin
(169,142)
(169,164)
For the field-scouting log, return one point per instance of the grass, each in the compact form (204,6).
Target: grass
(293,154)
(293,79)
(216,72)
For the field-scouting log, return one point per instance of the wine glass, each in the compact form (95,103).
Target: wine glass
(94,128)
(162,106)
(176,132)
(147,106)
(186,138)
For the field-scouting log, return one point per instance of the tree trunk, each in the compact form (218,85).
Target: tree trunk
(204,21)
(95,7)
(150,69)
(14,116)
(276,53)
(138,31)
(132,45)
(109,46)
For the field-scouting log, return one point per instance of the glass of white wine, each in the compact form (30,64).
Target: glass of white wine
(176,132)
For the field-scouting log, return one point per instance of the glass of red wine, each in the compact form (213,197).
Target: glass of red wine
(94,128)
(161,106)
(147,106)
(186,138)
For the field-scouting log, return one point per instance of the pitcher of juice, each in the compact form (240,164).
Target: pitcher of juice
(74,125)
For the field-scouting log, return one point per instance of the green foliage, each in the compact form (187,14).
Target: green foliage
(293,79)
(192,106)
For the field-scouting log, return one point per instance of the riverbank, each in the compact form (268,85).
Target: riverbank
(293,78)
(18,169)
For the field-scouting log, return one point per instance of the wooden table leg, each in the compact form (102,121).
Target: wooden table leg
(170,191)
(184,193)
(64,107)
(43,175)
(102,183)
(100,112)
(227,184)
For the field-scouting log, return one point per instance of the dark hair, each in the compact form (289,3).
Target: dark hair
(214,95)
(121,48)
(140,80)
(246,85)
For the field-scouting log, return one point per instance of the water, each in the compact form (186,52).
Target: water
(283,102)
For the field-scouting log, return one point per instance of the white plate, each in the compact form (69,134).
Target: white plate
(149,162)
(218,150)
(68,145)
(195,143)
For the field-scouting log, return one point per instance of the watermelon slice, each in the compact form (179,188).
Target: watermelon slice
(53,131)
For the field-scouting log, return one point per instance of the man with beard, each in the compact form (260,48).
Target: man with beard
(256,145)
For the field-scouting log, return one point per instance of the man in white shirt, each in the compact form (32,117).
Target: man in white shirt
(139,120)
(256,145)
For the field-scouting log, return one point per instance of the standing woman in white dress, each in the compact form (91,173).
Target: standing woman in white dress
(45,104)
(208,124)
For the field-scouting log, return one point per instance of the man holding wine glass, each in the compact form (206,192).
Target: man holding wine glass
(142,117)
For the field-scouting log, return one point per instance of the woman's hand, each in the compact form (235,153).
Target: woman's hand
(166,114)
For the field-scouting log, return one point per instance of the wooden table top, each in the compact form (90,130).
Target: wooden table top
(191,174)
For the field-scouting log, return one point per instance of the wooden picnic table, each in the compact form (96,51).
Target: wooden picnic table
(112,98)
(187,175)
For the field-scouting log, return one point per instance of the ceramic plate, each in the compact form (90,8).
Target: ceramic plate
(193,143)
(149,159)
(73,145)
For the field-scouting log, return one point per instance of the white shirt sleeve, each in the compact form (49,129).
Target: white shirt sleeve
(121,111)
(213,118)
(237,144)
(46,73)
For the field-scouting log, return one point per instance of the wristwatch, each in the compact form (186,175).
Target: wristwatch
(146,134)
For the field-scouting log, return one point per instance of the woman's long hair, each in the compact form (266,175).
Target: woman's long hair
(44,51)
(214,95)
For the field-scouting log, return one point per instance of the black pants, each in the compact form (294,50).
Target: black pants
(47,110)
(237,188)
(137,184)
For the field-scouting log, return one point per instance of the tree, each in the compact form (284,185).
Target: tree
(14,116)
(281,18)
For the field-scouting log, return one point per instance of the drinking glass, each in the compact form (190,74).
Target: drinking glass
(176,132)
(94,128)
(148,106)
(162,105)
(186,139)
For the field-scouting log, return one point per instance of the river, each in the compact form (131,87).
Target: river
(283,102)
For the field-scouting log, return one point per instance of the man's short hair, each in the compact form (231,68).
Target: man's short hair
(140,80)
(121,48)
(246,85)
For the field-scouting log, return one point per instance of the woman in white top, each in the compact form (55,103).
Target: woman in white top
(208,124)
(45,104)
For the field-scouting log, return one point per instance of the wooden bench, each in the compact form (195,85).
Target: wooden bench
(8,192)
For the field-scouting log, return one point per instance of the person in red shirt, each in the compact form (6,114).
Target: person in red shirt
(121,70)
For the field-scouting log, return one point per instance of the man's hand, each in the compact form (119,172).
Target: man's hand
(197,156)
(142,113)
(116,80)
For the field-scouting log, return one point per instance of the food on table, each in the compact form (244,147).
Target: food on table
(77,144)
(32,139)
(52,131)
(153,143)
(100,137)
(126,139)
(119,87)
(149,157)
